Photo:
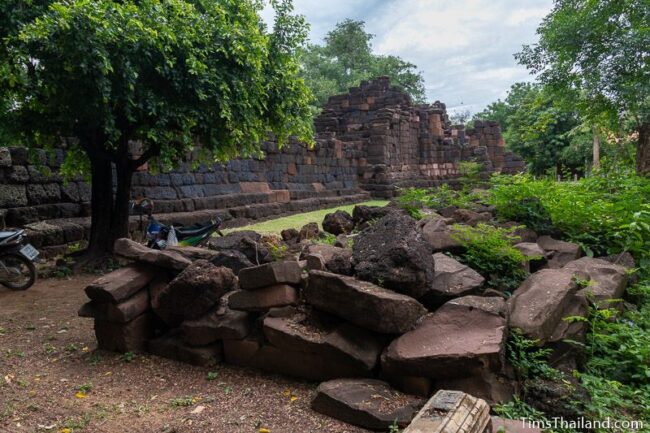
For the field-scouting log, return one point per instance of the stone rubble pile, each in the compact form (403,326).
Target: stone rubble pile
(386,318)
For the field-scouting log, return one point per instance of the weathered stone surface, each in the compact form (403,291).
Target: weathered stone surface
(559,253)
(290,235)
(120,284)
(535,254)
(345,343)
(452,412)
(339,222)
(165,259)
(193,292)
(220,323)
(469,217)
(232,259)
(250,352)
(368,403)
(12,196)
(365,214)
(624,259)
(439,236)
(194,253)
(315,262)
(335,259)
(125,337)
(277,295)
(128,309)
(538,305)
(491,387)
(452,279)
(462,338)
(362,303)
(607,281)
(171,346)
(246,242)
(5,157)
(392,252)
(309,231)
(284,272)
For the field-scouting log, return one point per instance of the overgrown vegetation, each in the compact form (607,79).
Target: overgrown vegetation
(606,213)
(489,250)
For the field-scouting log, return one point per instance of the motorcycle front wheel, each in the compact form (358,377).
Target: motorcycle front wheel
(16,272)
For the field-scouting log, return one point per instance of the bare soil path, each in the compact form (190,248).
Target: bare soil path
(53,380)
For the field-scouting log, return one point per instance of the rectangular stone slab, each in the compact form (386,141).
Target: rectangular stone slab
(278,295)
(362,303)
(256,277)
(120,284)
(125,337)
(452,412)
(128,309)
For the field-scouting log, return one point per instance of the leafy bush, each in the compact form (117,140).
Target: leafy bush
(528,358)
(489,251)
(605,213)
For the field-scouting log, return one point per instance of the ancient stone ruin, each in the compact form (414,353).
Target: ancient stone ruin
(369,142)
(383,318)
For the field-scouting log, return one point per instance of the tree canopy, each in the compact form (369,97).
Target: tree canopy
(600,51)
(167,73)
(347,58)
(547,134)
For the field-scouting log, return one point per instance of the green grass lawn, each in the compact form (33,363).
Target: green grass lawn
(299,220)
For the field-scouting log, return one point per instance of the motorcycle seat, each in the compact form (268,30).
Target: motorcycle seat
(7,235)
(194,231)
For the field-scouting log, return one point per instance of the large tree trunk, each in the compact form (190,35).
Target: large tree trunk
(643,149)
(101,205)
(110,209)
(120,220)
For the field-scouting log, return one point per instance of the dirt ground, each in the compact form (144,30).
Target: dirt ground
(52,379)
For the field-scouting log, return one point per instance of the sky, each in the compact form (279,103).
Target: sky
(464,48)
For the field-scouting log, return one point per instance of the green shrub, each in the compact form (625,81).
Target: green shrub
(529,359)
(597,212)
(414,200)
(489,251)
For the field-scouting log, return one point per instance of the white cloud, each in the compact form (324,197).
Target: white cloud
(521,16)
(464,48)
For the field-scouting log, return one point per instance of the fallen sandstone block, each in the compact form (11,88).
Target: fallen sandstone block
(171,346)
(362,303)
(464,337)
(452,279)
(368,403)
(344,342)
(193,292)
(220,323)
(125,337)
(277,295)
(452,412)
(542,301)
(140,253)
(285,272)
(560,252)
(120,284)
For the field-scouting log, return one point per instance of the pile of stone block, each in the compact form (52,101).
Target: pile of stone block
(391,314)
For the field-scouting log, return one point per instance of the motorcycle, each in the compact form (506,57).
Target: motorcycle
(159,236)
(17,270)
